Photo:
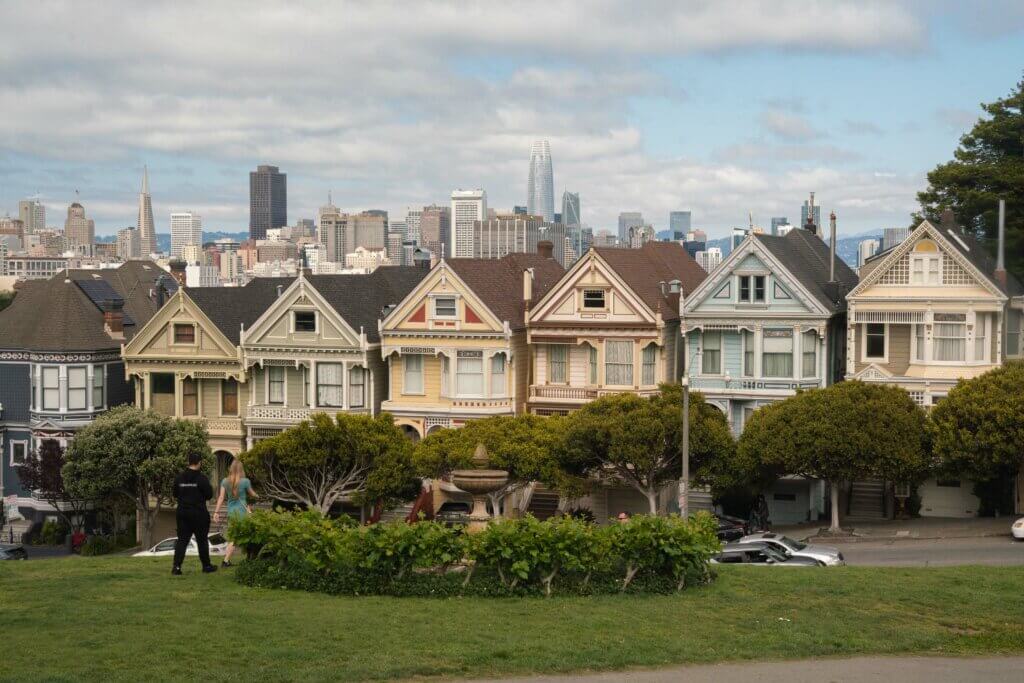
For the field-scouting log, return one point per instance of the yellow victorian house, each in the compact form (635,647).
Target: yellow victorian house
(456,345)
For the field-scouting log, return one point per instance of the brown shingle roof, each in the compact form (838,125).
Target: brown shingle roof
(499,282)
(644,269)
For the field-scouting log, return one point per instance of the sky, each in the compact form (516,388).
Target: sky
(720,108)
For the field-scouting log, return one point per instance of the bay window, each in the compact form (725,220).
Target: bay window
(618,363)
(412,374)
(777,355)
(557,362)
(356,387)
(748,353)
(980,336)
(498,374)
(51,388)
(809,349)
(77,387)
(647,367)
(711,353)
(190,396)
(919,352)
(275,385)
(98,386)
(950,337)
(469,373)
(1013,320)
(330,380)
(593,365)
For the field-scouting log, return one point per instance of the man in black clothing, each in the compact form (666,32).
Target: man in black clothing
(192,489)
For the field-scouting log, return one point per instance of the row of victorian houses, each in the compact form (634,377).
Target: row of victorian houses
(471,338)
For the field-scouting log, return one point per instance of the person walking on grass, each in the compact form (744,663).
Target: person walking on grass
(237,490)
(192,489)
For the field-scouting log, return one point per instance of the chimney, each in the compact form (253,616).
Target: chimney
(528,285)
(662,286)
(675,287)
(546,249)
(280,290)
(947,220)
(1000,273)
(113,318)
(832,247)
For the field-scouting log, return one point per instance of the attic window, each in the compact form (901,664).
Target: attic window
(593,298)
(444,307)
(184,334)
(305,321)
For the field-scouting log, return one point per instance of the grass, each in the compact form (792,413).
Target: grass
(128,619)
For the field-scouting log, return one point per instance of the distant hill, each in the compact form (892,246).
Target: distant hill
(846,247)
(163,240)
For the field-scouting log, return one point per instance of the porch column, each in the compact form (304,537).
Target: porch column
(486,368)
(758,342)
(344,385)
(311,397)
(89,371)
(823,366)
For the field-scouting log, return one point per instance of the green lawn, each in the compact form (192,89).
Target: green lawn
(126,618)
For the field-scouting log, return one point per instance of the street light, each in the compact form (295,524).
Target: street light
(684,483)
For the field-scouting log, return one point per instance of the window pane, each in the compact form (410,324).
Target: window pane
(498,375)
(97,386)
(557,354)
(919,342)
(412,382)
(444,307)
(593,298)
(759,288)
(77,382)
(356,387)
(593,365)
(711,360)
(184,334)
(305,321)
(19,451)
(810,354)
(469,376)
(276,385)
(189,397)
(51,389)
(950,341)
(229,397)
(748,353)
(875,340)
(618,365)
(650,353)
(777,356)
(329,385)
(744,288)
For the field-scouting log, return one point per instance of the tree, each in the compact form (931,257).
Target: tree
(987,166)
(638,439)
(323,461)
(978,430)
(6,299)
(844,432)
(523,445)
(42,473)
(133,455)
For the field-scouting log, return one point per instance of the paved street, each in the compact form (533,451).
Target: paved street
(997,550)
(854,670)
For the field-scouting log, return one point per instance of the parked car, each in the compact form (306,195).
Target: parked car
(827,555)
(730,528)
(760,553)
(165,548)
(13,551)
(1018,529)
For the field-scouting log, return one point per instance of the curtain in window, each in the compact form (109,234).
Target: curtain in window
(97,386)
(498,374)
(229,397)
(711,353)
(77,388)
(618,363)
(189,397)
(593,365)
(469,377)
(1013,318)
(810,353)
(980,337)
(650,353)
(275,385)
(412,380)
(329,380)
(51,389)
(950,341)
(777,358)
(748,353)
(356,387)
(919,342)
(557,354)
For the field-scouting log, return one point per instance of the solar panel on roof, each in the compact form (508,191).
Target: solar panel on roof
(99,292)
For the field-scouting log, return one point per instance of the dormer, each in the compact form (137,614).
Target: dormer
(925,264)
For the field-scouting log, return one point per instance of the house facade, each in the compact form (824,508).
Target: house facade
(770,321)
(456,345)
(60,362)
(931,311)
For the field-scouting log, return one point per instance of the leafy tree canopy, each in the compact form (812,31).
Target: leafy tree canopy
(43,474)
(987,166)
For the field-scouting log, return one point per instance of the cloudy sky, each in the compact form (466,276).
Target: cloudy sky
(717,107)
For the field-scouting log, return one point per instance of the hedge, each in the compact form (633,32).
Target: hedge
(565,556)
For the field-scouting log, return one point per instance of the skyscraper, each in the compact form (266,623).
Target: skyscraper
(515,233)
(186,229)
(679,224)
(412,225)
(128,244)
(865,250)
(435,228)
(468,206)
(627,220)
(893,236)
(571,209)
(79,231)
(777,221)
(33,214)
(709,259)
(805,209)
(145,225)
(268,201)
(540,187)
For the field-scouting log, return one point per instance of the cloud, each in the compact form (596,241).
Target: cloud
(788,126)
(862,128)
(957,120)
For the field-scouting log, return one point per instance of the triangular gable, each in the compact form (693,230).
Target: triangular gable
(412,313)
(274,326)
(152,341)
(873,371)
(890,270)
(560,302)
(751,255)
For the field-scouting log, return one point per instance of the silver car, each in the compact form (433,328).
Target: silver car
(827,555)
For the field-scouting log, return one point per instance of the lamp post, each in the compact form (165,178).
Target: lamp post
(684,482)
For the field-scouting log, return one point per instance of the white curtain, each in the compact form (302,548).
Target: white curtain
(77,383)
(498,374)
(777,359)
(329,379)
(748,353)
(618,363)
(557,354)
(469,379)
(950,341)
(810,353)
(412,381)
(711,354)
(980,337)
(356,387)
(51,388)
(650,354)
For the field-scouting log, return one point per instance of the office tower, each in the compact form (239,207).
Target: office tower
(33,214)
(435,228)
(540,187)
(231,270)
(368,230)
(128,244)
(777,221)
(571,209)
(709,259)
(639,235)
(412,224)
(186,229)
(865,250)
(810,207)
(14,227)
(738,235)
(394,247)
(468,206)
(627,220)
(79,231)
(268,200)
(328,209)
(693,247)
(679,224)
(515,233)
(520,210)
(401,227)
(144,224)
(893,236)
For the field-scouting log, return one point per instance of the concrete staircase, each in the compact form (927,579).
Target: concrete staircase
(543,503)
(18,528)
(867,500)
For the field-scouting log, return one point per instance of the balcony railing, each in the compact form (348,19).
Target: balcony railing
(564,393)
(287,414)
(753,384)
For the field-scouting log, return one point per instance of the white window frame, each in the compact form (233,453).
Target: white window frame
(982,325)
(85,389)
(341,386)
(455,305)
(499,384)
(55,369)
(926,261)
(592,364)
(99,381)
(19,442)
(703,350)
(418,373)
(919,354)
(752,289)
(864,345)
(604,299)
(564,363)
(649,365)
(354,372)
(464,358)
(748,345)
(804,336)
(316,322)
(631,364)
(284,385)
(794,367)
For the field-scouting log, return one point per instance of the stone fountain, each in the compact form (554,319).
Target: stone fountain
(479,481)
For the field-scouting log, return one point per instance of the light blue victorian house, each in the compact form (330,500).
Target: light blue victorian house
(769,321)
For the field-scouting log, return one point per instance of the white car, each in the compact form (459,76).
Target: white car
(165,548)
(831,557)
(1018,529)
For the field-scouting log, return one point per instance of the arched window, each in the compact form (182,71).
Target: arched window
(648,367)
(498,375)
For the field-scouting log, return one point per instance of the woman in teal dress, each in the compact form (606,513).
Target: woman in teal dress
(237,490)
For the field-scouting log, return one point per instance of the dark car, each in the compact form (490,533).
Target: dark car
(762,554)
(12,551)
(730,528)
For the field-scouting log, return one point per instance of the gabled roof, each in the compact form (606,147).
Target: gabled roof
(57,314)
(499,282)
(229,308)
(975,252)
(361,299)
(643,270)
(807,258)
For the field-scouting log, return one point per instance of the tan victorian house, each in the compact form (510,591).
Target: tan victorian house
(610,325)
(456,345)
(927,313)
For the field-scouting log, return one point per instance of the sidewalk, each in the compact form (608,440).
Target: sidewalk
(904,529)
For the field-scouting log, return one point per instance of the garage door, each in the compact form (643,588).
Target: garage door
(948,498)
(788,502)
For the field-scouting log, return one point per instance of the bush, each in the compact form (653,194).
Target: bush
(305,551)
(52,532)
(104,545)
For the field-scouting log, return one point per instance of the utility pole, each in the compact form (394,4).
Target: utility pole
(684,482)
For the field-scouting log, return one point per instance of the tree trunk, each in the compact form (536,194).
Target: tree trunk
(652,500)
(834,485)
(148,524)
